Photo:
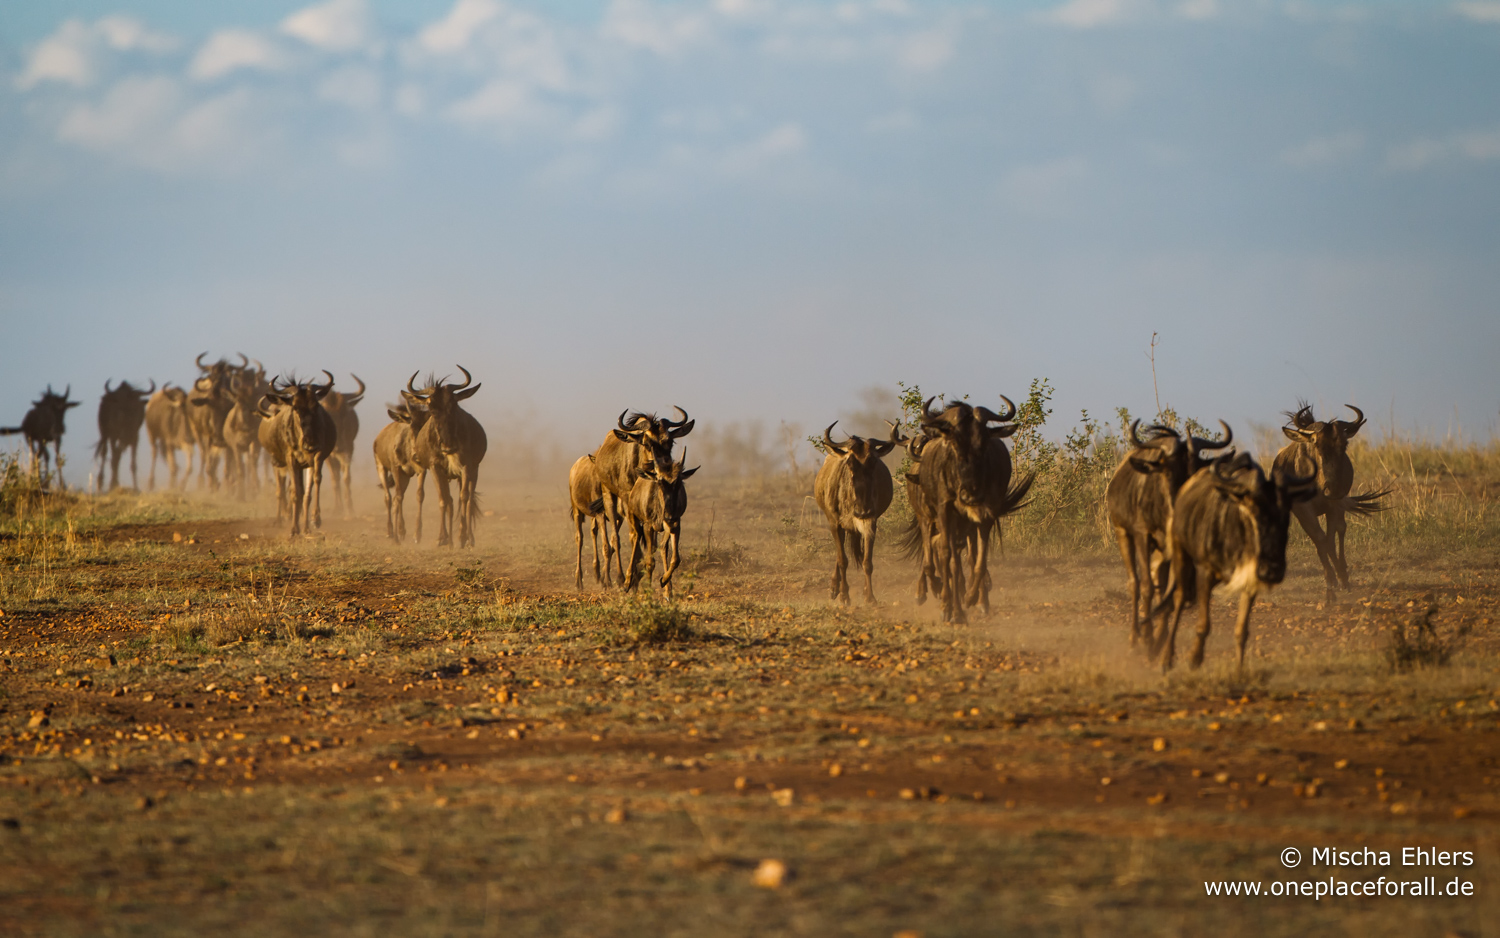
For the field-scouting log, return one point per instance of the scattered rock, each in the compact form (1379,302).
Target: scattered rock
(770,874)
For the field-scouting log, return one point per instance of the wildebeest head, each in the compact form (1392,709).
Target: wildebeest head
(1164,450)
(653,434)
(860,456)
(970,430)
(1328,441)
(303,397)
(1269,501)
(668,480)
(49,410)
(441,400)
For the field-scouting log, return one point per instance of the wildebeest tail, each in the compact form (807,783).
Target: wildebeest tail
(6,431)
(597,506)
(909,539)
(1366,504)
(99,449)
(474,510)
(1015,499)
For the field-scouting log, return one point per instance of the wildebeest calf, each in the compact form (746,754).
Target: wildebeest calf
(853,487)
(655,507)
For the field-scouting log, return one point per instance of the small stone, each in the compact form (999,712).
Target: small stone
(1157,799)
(1221,777)
(784,797)
(835,770)
(615,816)
(38,718)
(143,803)
(770,874)
(740,783)
(1160,744)
(908,794)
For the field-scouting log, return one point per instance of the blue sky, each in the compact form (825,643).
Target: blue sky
(756,208)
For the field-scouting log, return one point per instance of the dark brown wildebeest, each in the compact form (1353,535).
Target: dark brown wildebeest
(209,403)
(1139,505)
(298,437)
(121,413)
(43,424)
(965,477)
(636,441)
(340,407)
(655,506)
(1229,525)
(451,444)
(1320,448)
(396,464)
(169,430)
(853,487)
(587,502)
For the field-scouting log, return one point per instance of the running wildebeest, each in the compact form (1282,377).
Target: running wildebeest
(298,437)
(209,404)
(584,493)
(636,441)
(169,430)
(1320,448)
(340,406)
(1139,505)
(43,424)
(1229,526)
(121,413)
(853,487)
(655,507)
(965,477)
(451,444)
(396,464)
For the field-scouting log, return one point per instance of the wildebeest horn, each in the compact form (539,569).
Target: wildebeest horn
(68,391)
(356,396)
(621,421)
(199,361)
(411,386)
(244,362)
(1199,443)
(259,368)
(896,436)
(1135,437)
(680,428)
(1350,427)
(468,379)
(1010,409)
(828,440)
(152,389)
(677,423)
(106,386)
(327,387)
(928,416)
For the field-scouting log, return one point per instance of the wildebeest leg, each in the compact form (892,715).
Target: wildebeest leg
(445,506)
(839,589)
(1337,526)
(115,452)
(315,496)
(1309,522)
(637,539)
(1205,589)
(578,539)
(1128,553)
(650,532)
(402,480)
(596,525)
(298,492)
(135,481)
(469,482)
(978,592)
(670,558)
(1242,624)
(421,496)
(387,486)
(1165,643)
(867,560)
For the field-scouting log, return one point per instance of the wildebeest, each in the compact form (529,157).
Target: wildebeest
(242,430)
(965,477)
(636,441)
(340,406)
(396,464)
(1139,505)
(298,437)
(1229,525)
(43,424)
(586,498)
(169,430)
(1320,448)
(655,507)
(451,444)
(121,413)
(209,403)
(853,487)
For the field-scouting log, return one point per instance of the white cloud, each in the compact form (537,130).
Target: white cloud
(1044,189)
(454,32)
(1198,10)
(1324,151)
(72,54)
(597,124)
(1480,11)
(779,143)
(337,25)
(926,51)
(353,87)
(1473,146)
(135,109)
(502,100)
(1088,14)
(231,49)
(664,31)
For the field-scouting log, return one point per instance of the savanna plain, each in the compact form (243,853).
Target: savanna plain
(208,727)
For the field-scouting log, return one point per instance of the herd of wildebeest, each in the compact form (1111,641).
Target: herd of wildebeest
(1188,512)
